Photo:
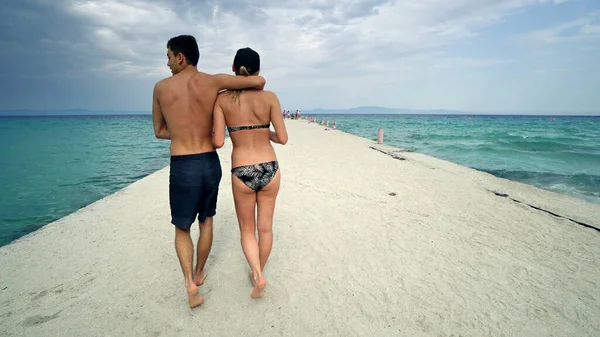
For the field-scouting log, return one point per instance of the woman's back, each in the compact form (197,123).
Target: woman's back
(248,115)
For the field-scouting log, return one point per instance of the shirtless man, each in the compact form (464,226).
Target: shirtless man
(182,111)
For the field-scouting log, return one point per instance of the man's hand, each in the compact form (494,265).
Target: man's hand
(260,82)
(163,133)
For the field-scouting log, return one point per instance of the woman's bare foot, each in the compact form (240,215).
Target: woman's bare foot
(259,288)
(199,279)
(251,277)
(194,297)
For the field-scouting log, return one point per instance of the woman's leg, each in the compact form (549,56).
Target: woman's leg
(245,203)
(266,206)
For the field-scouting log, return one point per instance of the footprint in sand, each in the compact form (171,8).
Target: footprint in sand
(569,312)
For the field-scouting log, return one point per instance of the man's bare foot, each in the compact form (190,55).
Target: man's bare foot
(199,279)
(194,297)
(259,289)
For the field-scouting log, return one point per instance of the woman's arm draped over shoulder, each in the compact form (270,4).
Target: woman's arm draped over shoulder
(231,82)
(280,135)
(219,124)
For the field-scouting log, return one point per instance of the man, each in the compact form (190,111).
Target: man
(182,111)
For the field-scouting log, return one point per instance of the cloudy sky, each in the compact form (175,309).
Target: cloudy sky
(490,56)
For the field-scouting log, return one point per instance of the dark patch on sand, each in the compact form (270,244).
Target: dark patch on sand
(391,154)
(56,290)
(504,195)
(38,319)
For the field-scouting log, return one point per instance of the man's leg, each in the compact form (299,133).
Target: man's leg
(184,198)
(203,250)
(185,253)
(211,177)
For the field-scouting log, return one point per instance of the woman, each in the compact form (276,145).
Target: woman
(255,170)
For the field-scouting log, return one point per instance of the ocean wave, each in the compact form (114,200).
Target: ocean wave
(581,185)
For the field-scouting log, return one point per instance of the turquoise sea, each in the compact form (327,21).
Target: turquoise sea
(52,166)
(557,153)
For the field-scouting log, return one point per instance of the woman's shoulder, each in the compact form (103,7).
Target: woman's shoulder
(224,94)
(267,94)
(261,95)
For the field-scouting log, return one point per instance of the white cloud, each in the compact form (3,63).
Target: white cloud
(582,29)
(294,38)
(591,30)
(130,34)
(333,52)
(116,14)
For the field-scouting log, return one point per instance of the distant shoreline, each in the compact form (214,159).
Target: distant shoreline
(442,114)
(79,115)
(129,114)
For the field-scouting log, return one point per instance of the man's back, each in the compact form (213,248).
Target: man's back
(186,101)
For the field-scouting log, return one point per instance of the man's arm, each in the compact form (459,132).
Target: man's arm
(231,82)
(219,126)
(160,125)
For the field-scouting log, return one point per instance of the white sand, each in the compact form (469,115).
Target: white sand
(442,257)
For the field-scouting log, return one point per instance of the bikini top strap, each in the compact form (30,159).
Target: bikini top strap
(247,127)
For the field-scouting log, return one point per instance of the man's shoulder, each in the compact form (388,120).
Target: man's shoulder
(200,76)
(162,83)
(201,80)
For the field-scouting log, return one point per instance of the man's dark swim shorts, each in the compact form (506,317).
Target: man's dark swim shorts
(193,187)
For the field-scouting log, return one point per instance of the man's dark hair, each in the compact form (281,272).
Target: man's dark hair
(185,44)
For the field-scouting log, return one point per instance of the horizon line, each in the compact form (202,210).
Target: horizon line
(324,111)
(316,114)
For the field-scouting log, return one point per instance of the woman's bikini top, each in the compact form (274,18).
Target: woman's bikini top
(249,127)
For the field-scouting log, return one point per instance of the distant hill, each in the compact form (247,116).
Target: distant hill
(70,112)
